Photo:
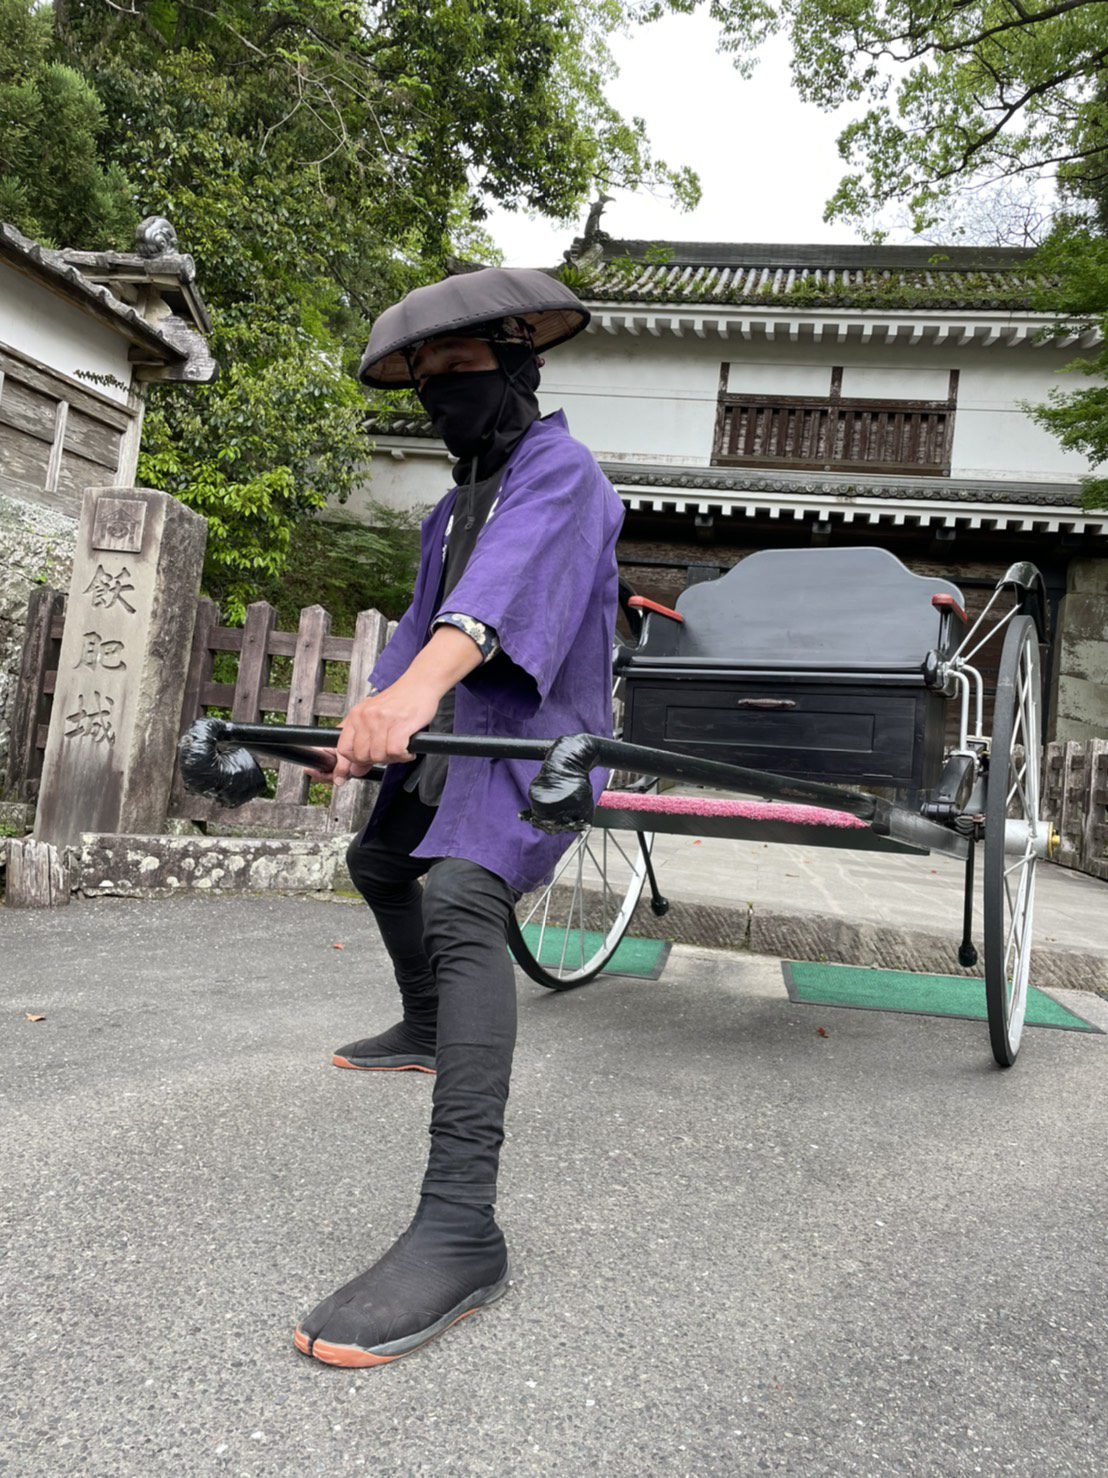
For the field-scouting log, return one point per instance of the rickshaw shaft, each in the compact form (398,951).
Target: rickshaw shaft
(289,742)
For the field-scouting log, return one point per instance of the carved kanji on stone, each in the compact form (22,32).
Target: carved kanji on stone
(96,652)
(108,590)
(121,672)
(92,721)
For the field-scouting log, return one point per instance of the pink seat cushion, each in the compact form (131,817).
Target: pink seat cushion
(695,805)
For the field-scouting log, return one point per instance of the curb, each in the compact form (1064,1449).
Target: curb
(801,935)
(157,867)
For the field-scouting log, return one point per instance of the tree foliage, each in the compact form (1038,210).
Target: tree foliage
(318,158)
(53,183)
(952,97)
(951,89)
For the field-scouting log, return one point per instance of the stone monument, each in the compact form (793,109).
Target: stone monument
(110,752)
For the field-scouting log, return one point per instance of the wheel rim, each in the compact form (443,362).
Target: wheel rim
(1014,835)
(568,931)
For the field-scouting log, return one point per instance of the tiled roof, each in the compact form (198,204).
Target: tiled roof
(402,423)
(790,275)
(842,484)
(173,273)
(172,340)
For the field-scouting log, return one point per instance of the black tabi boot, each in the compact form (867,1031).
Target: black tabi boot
(450,1262)
(406,1047)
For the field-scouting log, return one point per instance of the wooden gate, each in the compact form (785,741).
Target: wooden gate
(34,693)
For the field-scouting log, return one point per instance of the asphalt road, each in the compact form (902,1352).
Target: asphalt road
(739,1246)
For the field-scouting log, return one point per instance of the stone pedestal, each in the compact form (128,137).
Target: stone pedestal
(121,673)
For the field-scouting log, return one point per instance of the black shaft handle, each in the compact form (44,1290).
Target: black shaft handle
(216,761)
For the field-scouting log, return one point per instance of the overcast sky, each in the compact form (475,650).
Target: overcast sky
(767,162)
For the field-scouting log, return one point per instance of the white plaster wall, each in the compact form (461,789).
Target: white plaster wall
(899,380)
(993,436)
(36,322)
(412,484)
(653,399)
(778,378)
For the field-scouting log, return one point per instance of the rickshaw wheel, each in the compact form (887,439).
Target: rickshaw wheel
(563,935)
(1014,836)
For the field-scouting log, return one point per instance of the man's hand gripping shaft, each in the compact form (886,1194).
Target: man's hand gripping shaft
(376,730)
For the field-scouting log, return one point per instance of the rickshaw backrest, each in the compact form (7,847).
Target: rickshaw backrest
(827,607)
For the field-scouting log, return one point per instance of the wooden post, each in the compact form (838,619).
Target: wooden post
(37,876)
(253,673)
(1073,798)
(200,660)
(304,688)
(198,676)
(351,804)
(1094,831)
(24,764)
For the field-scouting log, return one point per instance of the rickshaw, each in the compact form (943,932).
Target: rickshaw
(813,687)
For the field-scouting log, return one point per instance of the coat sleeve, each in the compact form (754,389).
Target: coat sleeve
(407,639)
(531,576)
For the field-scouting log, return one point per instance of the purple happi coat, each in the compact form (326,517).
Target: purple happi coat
(543,576)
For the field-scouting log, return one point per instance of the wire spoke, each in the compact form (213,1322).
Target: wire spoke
(542,926)
(566,860)
(622,853)
(1020,774)
(581,904)
(606,889)
(1019,918)
(972,632)
(966,656)
(568,928)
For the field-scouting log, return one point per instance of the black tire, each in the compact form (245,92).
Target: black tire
(1011,804)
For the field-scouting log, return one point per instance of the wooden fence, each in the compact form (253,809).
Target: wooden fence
(326,674)
(34,693)
(1075,797)
(310,694)
(252,673)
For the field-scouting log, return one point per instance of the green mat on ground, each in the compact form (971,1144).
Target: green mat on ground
(815,984)
(643,958)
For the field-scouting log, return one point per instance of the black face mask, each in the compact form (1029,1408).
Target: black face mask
(481,414)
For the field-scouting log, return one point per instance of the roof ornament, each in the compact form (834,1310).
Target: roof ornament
(592,224)
(588,249)
(155,237)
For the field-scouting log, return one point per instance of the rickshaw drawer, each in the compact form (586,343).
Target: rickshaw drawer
(886,736)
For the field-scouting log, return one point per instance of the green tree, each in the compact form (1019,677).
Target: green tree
(953,95)
(956,89)
(53,184)
(318,158)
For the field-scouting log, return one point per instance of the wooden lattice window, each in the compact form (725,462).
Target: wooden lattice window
(833,433)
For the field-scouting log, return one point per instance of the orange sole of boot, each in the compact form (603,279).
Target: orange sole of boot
(410,1067)
(350,1357)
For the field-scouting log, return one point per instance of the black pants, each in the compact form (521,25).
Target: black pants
(447,943)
